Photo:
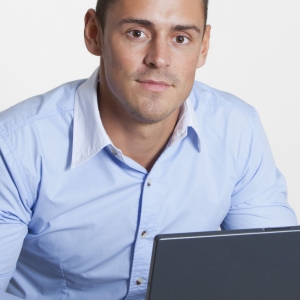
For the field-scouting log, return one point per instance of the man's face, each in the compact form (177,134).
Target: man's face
(150,51)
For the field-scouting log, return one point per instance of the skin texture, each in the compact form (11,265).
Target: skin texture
(150,50)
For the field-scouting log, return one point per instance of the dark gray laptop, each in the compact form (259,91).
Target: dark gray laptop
(237,265)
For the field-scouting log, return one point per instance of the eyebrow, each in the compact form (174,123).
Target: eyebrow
(152,25)
(137,21)
(186,27)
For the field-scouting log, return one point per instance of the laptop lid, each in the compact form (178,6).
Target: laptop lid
(240,264)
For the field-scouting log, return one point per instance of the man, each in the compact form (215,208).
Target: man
(93,170)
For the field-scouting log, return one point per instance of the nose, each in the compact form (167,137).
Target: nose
(158,54)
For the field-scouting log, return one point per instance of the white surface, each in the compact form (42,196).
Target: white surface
(255,54)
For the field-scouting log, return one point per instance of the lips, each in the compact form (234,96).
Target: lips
(155,86)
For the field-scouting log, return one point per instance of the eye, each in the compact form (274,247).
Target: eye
(181,39)
(137,34)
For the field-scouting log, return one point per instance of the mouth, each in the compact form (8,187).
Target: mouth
(154,86)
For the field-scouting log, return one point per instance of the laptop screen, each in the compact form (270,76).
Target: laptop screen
(241,264)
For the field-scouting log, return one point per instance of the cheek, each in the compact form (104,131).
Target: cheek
(185,61)
(187,69)
(118,66)
(120,59)
(115,70)
(192,61)
(186,72)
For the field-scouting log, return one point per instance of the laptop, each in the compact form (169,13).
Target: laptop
(235,265)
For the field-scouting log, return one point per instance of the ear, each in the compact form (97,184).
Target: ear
(204,47)
(92,33)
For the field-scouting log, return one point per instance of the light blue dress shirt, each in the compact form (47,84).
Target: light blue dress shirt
(80,217)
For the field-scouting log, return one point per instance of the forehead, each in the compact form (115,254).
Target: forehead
(158,11)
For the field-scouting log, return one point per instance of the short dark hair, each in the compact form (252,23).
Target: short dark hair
(103,5)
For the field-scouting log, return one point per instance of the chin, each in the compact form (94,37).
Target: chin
(150,117)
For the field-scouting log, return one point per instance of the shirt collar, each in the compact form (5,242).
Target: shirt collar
(89,135)
(186,119)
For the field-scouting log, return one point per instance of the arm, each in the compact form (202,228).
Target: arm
(259,197)
(14,213)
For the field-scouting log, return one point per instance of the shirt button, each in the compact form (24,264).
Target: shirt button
(149,183)
(139,281)
(113,151)
(144,234)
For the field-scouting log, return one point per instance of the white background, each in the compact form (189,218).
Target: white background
(255,49)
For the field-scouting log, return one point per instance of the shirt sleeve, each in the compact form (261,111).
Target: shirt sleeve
(259,196)
(14,212)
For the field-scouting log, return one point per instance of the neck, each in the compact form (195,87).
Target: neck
(142,142)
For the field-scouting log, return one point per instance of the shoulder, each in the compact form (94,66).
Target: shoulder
(211,98)
(224,114)
(53,103)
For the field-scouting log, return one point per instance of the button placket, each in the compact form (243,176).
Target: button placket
(143,246)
